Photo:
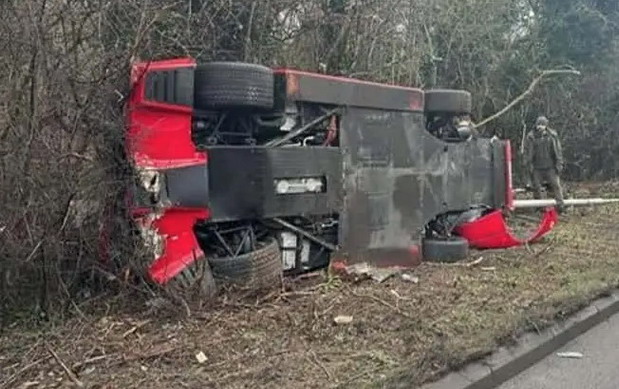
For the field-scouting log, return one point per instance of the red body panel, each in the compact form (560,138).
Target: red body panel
(181,247)
(492,232)
(159,138)
(159,135)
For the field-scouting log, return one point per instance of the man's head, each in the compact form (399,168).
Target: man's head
(541,123)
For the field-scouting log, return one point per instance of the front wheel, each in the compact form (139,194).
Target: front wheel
(195,280)
(261,268)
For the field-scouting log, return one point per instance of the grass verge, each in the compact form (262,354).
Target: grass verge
(401,332)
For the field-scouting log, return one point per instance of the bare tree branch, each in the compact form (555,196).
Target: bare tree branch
(526,93)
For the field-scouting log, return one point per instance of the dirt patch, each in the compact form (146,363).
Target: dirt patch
(402,331)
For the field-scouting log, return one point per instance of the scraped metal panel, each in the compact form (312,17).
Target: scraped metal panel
(397,177)
(242,181)
(340,91)
(187,186)
(377,158)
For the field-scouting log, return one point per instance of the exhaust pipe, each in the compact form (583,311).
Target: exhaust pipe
(543,203)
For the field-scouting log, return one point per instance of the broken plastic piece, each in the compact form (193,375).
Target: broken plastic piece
(342,320)
(201,357)
(491,231)
(571,355)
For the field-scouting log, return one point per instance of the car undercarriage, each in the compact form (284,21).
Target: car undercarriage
(246,173)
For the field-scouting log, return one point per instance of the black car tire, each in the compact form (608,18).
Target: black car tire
(448,101)
(195,280)
(447,250)
(259,269)
(233,85)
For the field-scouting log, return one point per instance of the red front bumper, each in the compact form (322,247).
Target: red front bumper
(159,139)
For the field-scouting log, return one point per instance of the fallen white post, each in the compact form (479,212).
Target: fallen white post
(543,203)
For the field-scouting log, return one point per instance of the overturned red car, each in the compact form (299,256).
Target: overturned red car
(246,173)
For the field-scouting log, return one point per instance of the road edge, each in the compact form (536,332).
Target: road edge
(530,348)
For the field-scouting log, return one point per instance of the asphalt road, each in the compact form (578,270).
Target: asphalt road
(598,368)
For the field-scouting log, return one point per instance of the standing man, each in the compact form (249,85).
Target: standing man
(544,160)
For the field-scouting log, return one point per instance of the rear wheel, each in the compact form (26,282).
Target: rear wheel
(233,85)
(446,250)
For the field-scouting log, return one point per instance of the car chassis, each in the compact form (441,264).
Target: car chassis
(248,173)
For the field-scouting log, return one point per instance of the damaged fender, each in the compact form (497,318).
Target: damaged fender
(175,246)
(492,232)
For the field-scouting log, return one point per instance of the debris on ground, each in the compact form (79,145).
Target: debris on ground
(570,355)
(475,262)
(201,357)
(410,278)
(341,320)
(374,273)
